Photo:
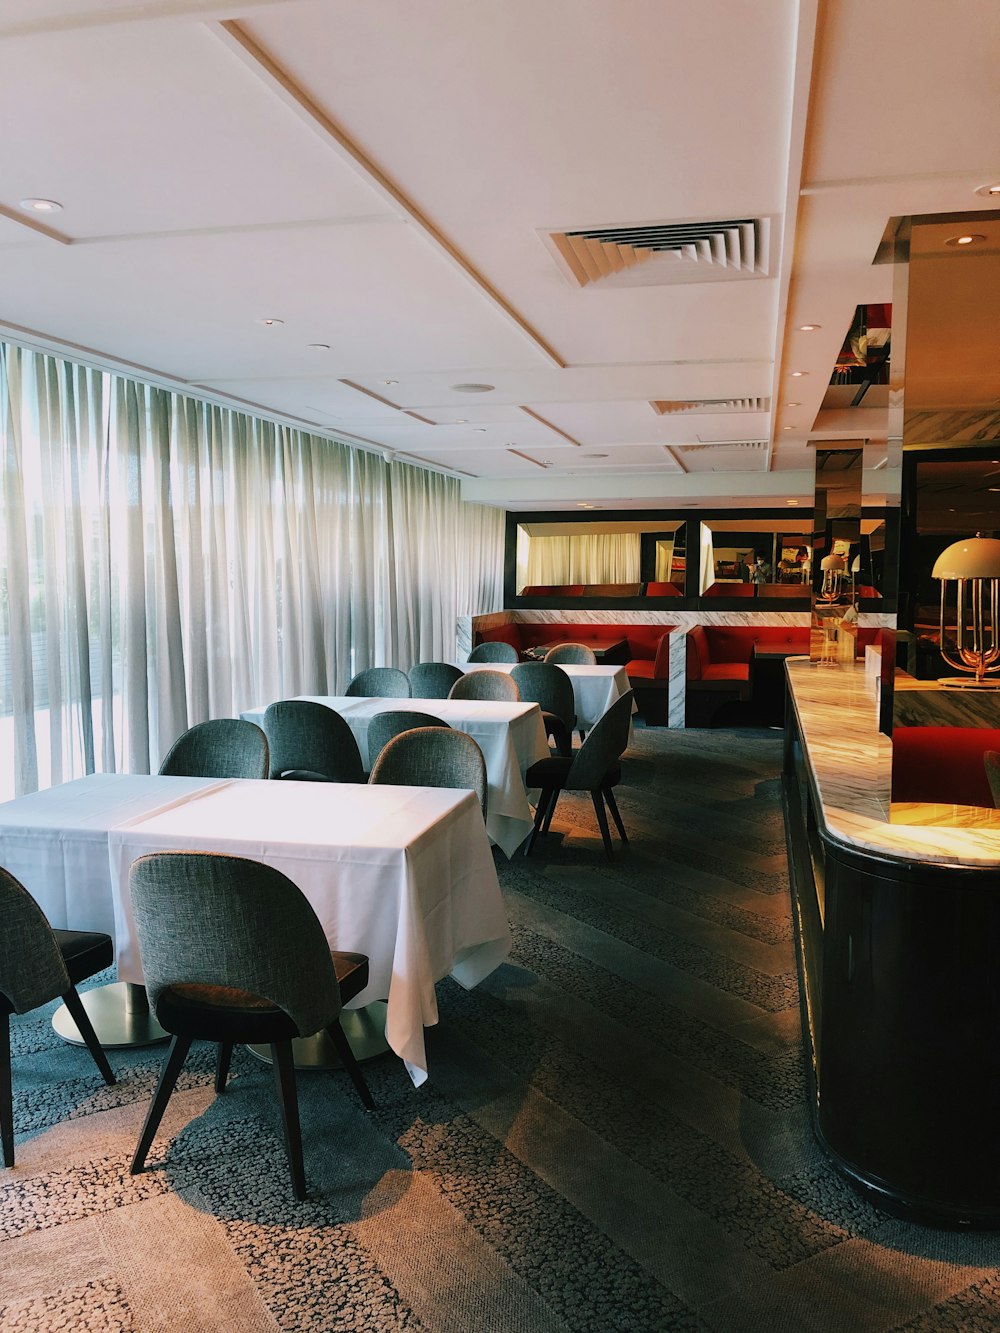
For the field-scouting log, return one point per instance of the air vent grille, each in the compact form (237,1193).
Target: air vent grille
(652,253)
(754,445)
(671,406)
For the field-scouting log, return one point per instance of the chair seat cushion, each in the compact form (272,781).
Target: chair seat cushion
(85,952)
(553,771)
(640,668)
(727,671)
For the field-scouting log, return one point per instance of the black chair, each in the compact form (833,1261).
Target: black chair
(38,964)
(495,686)
(433,757)
(232,952)
(494,650)
(384,726)
(433,680)
(309,742)
(226,747)
(380,683)
(547,685)
(594,768)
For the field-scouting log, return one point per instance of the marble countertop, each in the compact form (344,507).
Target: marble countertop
(850,764)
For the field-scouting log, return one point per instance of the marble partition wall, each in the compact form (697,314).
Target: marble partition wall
(680,621)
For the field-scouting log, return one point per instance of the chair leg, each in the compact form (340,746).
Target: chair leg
(284,1078)
(609,796)
(602,819)
(81,1018)
(543,797)
(6,1093)
(550,811)
(222,1065)
(177,1054)
(350,1062)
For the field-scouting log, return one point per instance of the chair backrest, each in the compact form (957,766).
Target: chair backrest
(226,747)
(384,726)
(433,680)
(433,757)
(206,919)
(380,683)
(303,735)
(495,685)
(573,654)
(494,650)
(32,970)
(606,742)
(547,685)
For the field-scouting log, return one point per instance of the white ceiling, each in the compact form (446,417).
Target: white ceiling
(382,175)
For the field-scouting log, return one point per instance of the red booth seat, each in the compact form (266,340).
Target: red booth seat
(942,764)
(663,590)
(722,652)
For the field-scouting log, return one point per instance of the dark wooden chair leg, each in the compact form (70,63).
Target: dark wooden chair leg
(6,1093)
(222,1065)
(284,1078)
(597,797)
(177,1054)
(550,810)
(81,1018)
(609,796)
(349,1060)
(543,797)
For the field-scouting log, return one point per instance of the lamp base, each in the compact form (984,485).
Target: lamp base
(969,683)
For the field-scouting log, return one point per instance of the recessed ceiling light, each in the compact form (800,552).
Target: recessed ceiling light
(41,205)
(595,455)
(270,323)
(480,430)
(461,421)
(809,328)
(793,404)
(797,374)
(788,428)
(989,190)
(473,388)
(318,347)
(388,381)
(970,238)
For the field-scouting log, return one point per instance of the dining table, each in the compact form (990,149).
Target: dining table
(510,735)
(595,688)
(403,875)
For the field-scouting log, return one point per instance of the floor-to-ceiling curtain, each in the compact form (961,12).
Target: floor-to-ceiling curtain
(164,560)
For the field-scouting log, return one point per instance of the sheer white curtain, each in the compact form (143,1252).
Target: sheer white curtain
(602,557)
(164,560)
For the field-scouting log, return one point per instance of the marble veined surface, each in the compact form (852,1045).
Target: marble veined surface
(850,765)
(925,703)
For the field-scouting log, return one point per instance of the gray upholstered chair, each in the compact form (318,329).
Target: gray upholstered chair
(494,650)
(38,964)
(232,952)
(547,685)
(571,654)
(309,742)
(495,685)
(594,768)
(433,680)
(433,757)
(384,726)
(380,683)
(226,747)
(991,760)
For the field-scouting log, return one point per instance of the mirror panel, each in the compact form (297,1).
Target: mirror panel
(754,557)
(599,559)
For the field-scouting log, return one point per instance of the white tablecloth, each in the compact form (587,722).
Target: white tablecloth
(402,874)
(595,688)
(511,737)
(56,841)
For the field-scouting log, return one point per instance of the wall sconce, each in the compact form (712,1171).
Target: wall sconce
(833,567)
(974,564)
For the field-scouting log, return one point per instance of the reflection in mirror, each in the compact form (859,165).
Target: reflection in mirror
(754,557)
(595,559)
(836,559)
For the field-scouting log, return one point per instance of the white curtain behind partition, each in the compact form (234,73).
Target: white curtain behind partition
(164,560)
(603,557)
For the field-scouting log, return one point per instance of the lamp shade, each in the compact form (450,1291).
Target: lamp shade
(972,558)
(837,562)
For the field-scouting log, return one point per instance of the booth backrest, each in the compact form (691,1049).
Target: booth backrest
(663,590)
(729,590)
(943,764)
(612,589)
(646,643)
(711,644)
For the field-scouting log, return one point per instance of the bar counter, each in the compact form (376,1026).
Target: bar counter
(899,948)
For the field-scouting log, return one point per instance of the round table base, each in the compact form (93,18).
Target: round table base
(120,1015)
(365,1029)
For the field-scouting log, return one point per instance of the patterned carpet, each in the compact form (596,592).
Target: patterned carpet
(614,1135)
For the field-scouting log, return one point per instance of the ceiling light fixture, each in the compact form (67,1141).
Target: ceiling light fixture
(388,381)
(461,421)
(473,388)
(970,238)
(318,347)
(793,404)
(480,430)
(989,191)
(42,205)
(809,328)
(270,323)
(788,428)
(791,502)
